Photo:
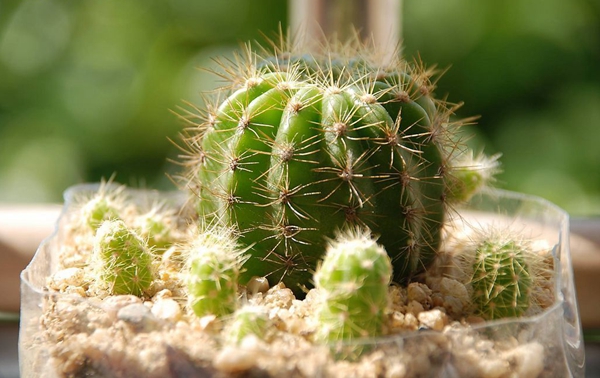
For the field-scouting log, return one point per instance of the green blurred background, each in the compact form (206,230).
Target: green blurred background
(87,87)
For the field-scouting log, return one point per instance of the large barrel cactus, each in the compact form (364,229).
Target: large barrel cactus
(299,147)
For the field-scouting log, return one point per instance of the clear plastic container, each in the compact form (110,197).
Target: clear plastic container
(548,344)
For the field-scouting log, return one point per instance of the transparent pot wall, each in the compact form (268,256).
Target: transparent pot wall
(558,328)
(548,344)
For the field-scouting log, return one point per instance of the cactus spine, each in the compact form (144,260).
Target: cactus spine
(303,147)
(353,280)
(213,269)
(122,261)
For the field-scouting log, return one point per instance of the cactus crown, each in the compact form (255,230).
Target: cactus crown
(299,146)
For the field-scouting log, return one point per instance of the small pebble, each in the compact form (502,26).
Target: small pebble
(396,370)
(414,308)
(257,285)
(453,305)
(492,367)
(137,315)
(167,309)
(113,304)
(208,322)
(433,319)
(450,287)
(234,360)
(437,300)
(418,292)
(528,359)
(281,298)
(67,277)
(163,294)
(77,290)
(410,321)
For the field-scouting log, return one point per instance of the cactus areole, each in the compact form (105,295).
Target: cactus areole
(300,148)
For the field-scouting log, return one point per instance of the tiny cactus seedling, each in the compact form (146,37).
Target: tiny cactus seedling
(97,211)
(353,280)
(105,204)
(214,265)
(246,321)
(304,146)
(503,278)
(121,260)
(157,227)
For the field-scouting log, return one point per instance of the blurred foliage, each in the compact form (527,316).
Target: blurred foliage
(88,87)
(531,69)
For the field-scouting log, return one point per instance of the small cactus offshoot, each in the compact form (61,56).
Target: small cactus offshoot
(214,265)
(353,280)
(503,278)
(469,174)
(97,211)
(121,260)
(157,227)
(248,320)
(105,204)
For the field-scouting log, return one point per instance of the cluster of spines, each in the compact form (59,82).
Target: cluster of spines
(213,266)
(353,282)
(121,262)
(302,146)
(505,271)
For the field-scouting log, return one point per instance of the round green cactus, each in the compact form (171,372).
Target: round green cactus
(97,210)
(503,278)
(353,280)
(302,147)
(106,204)
(214,264)
(121,260)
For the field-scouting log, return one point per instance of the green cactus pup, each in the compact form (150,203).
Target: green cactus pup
(121,260)
(213,268)
(247,320)
(303,147)
(469,174)
(353,280)
(503,277)
(157,227)
(105,204)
